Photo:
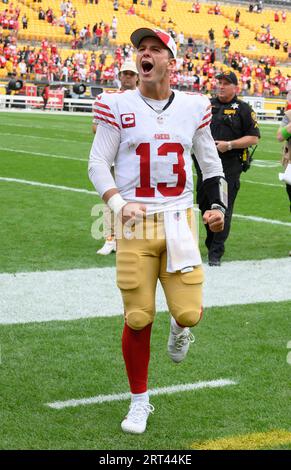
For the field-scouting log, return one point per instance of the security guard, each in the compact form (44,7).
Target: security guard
(234,128)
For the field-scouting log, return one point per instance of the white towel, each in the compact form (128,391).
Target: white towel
(182,249)
(286,177)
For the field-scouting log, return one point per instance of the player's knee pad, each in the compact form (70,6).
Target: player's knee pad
(128,270)
(189,318)
(138,319)
(139,309)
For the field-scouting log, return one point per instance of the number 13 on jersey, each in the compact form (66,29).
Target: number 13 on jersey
(144,152)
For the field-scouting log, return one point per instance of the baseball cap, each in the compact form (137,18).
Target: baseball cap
(166,38)
(229,76)
(128,66)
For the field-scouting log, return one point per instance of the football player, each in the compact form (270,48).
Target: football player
(148,134)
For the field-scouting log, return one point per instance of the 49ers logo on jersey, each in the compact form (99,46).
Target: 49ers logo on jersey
(127,120)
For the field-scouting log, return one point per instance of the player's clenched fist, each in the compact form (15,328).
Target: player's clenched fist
(133,211)
(215,220)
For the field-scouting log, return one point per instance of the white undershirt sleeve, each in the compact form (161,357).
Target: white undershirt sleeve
(103,152)
(205,151)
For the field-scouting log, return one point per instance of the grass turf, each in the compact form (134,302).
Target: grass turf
(44,228)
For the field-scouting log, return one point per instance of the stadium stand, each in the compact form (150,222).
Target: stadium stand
(49,47)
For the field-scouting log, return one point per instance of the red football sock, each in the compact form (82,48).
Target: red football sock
(136,354)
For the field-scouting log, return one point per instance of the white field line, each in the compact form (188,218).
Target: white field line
(38,137)
(262,220)
(38,154)
(256,163)
(46,185)
(266,164)
(264,184)
(90,293)
(59,405)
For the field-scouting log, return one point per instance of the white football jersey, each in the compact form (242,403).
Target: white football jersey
(153,164)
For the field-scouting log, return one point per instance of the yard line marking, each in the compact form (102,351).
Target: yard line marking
(262,220)
(44,154)
(246,441)
(46,185)
(266,164)
(59,137)
(59,405)
(264,184)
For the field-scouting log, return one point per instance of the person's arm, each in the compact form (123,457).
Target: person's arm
(241,143)
(284,132)
(103,152)
(215,186)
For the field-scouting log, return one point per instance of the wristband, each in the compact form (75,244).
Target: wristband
(229,145)
(116,203)
(285,133)
(218,207)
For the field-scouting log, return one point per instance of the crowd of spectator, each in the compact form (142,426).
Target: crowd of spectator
(195,71)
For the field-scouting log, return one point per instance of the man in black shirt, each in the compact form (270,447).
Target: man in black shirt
(234,128)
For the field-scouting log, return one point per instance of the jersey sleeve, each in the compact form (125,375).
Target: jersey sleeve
(203,145)
(206,113)
(105,111)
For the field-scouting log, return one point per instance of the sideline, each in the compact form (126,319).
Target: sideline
(88,293)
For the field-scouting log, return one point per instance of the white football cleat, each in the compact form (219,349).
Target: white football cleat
(178,343)
(136,419)
(108,247)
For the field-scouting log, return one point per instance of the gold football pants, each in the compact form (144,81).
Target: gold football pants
(140,263)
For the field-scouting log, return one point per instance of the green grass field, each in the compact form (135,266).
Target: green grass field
(45,228)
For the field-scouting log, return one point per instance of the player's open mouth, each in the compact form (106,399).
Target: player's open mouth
(146,67)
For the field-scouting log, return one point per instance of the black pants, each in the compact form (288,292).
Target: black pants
(215,241)
(288,189)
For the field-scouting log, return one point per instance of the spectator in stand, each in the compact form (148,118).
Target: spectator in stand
(197,6)
(190,43)
(131,10)
(41,14)
(49,15)
(67,28)
(259,6)
(237,16)
(284,16)
(24,21)
(181,41)
(211,34)
(236,33)
(217,10)
(226,32)
(164,6)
